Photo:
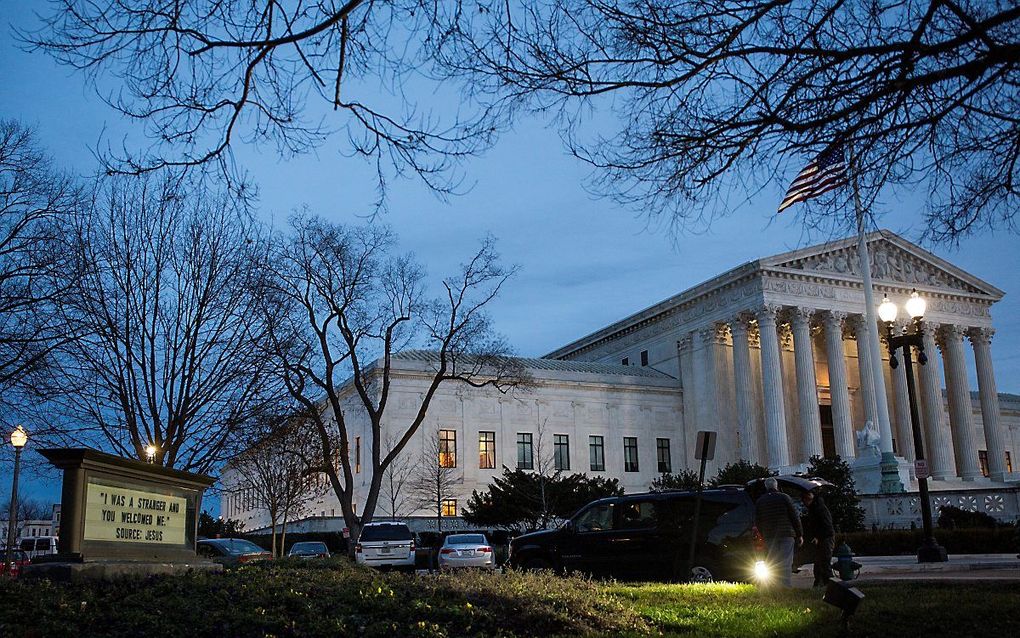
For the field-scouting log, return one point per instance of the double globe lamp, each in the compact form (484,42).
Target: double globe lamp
(930,551)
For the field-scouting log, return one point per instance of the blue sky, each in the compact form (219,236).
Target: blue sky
(584,261)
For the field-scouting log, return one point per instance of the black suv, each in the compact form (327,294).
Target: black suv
(647,536)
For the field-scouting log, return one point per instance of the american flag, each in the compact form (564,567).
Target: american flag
(822,174)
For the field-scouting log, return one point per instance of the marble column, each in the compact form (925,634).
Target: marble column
(772,383)
(861,329)
(961,420)
(981,339)
(839,390)
(938,445)
(744,388)
(807,386)
(904,436)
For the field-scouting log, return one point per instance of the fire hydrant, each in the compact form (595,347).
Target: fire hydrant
(845,564)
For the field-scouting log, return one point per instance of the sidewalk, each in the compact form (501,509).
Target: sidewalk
(956,563)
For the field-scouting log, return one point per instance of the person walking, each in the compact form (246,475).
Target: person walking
(822,535)
(779,524)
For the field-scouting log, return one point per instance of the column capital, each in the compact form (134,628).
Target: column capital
(833,319)
(948,333)
(801,316)
(741,322)
(929,329)
(981,336)
(858,325)
(685,342)
(768,313)
(714,334)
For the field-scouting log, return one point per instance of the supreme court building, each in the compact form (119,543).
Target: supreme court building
(766,355)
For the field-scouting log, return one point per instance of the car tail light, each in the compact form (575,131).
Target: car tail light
(412,546)
(357,549)
(485,550)
(446,550)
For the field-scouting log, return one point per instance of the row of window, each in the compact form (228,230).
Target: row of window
(561,452)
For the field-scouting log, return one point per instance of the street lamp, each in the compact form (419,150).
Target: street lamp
(930,551)
(18,440)
(150,453)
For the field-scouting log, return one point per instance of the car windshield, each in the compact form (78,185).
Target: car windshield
(466,539)
(386,533)
(239,546)
(308,548)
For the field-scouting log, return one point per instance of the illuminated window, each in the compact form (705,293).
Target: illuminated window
(597,451)
(486,450)
(630,455)
(449,507)
(357,454)
(1009,462)
(983,460)
(447,448)
(525,452)
(662,456)
(561,452)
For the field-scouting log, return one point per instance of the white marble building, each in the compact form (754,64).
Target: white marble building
(765,354)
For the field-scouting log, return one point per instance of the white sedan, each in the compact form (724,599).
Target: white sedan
(466,550)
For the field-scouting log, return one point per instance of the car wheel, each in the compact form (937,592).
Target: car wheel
(701,574)
(534,564)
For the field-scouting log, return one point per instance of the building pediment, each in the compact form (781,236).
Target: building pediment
(893,260)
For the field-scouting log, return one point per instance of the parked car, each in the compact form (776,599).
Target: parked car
(19,558)
(647,536)
(309,549)
(466,550)
(385,545)
(231,552)
(39,545)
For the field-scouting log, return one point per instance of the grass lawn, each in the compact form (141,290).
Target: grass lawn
(337,599)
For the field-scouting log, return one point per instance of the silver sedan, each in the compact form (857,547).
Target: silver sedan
(466,550)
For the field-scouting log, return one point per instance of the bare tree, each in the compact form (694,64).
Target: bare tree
(714,95)
(204,74)
(28,510)
(395,488)
(163,314)
(34,201)
(546,472)
(436,477)
(341,308)
(275,470)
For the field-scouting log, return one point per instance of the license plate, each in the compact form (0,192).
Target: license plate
(385,550)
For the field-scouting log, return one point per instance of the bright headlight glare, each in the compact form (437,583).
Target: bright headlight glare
(761,570)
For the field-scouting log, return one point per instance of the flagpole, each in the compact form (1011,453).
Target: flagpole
(888,465)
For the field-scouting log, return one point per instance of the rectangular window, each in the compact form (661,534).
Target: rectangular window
(486,450)
(644,357)
(626,361)
(525,452)
(983,460)
(449,507)
(561,452)
(357,455)
(630,457)
(662,456)
(597,451)
(447,448)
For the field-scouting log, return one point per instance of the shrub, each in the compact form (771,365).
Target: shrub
(905,542)
(740,473)
(683,480)
(951,517)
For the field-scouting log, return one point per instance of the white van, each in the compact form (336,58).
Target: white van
(39,545)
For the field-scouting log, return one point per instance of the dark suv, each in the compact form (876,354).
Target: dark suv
(647,536)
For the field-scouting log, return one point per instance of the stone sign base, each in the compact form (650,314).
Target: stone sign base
(110,570)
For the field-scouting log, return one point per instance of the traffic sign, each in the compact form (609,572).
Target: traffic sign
(705,447)
(921,468)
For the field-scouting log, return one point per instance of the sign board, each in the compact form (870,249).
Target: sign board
(921,468)
(115,513)
(705,447)
(117,509)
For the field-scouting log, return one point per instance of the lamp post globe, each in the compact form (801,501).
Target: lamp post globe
(887,311)
(150,453)
(916,305)
(19,438)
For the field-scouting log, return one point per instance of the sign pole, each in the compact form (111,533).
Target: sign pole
(705,450)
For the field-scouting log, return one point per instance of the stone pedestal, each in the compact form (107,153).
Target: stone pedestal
(867,470)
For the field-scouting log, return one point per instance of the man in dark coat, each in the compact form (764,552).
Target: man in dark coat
(778,522)
(822,534)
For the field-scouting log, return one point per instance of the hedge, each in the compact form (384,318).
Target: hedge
(1001,540)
